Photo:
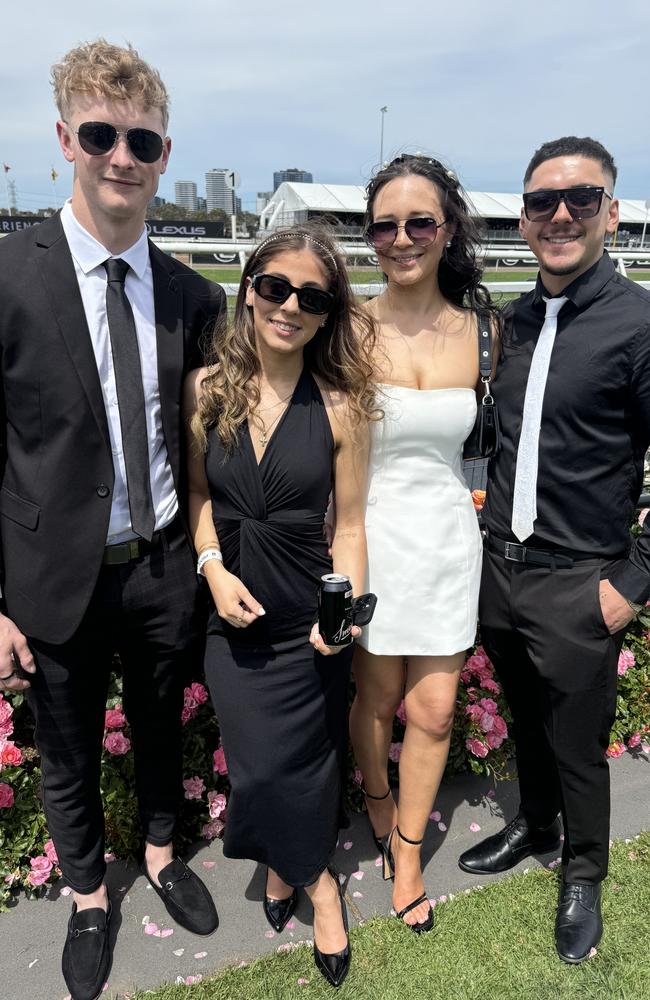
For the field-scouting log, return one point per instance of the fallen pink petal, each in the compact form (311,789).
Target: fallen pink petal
(150,928)
(442,827)
(167,932)
(269,934)
(357,895)
(178,952)
(347,845)
(201,954)
(358,875)
(303,982)
(593,952)
(209,864)
(66,890)
(435,816)
(474,827)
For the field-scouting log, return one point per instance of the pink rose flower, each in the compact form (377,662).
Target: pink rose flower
(6,796)
(488,705)
(634,741)
(194,787)
(494,740)
(500,726)
(10,754)
(198,692)
(477,747)
(117,744)
(474,711)
(41,867)
(616,749)
(486,722)
(114,718)
(219,761)
(216,804)
(491,685)
(401,712)
(625,661)
(6,725)
(395,752)
(212,830)
(50,852)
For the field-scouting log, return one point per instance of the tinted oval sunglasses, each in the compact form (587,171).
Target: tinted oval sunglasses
(581,202)
(275,289)
(97,138)
(422,232)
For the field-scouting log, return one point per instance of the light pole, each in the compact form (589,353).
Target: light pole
(381,141)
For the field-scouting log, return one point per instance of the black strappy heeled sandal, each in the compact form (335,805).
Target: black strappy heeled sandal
(375,798)
(389,873)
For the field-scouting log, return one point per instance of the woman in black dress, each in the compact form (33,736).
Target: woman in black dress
(278,421)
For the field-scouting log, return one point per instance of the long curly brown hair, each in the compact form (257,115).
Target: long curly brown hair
(340,353)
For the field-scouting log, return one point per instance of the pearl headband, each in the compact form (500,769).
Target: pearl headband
(302,236)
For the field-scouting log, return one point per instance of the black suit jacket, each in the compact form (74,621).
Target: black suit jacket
(57,470)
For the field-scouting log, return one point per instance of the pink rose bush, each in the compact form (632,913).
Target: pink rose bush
(6,712)
(195,696)
(219,761)
(194,787)
(115,718)
(117,743)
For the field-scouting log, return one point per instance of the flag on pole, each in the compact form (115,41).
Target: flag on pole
(7,168)
(54,175)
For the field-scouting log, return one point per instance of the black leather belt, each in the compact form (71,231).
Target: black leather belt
(125,552)
(514,552)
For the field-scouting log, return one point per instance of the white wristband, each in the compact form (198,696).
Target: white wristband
(204,557)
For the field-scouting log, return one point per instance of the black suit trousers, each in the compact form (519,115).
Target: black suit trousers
(147,611)
(545,634)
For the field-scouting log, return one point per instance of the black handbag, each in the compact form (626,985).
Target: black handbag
(485,438)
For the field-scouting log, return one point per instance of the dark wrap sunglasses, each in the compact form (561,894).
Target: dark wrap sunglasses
(581,202)
(422,232)
(97,138)
(310,300)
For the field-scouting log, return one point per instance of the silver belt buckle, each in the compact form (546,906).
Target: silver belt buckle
(514,552)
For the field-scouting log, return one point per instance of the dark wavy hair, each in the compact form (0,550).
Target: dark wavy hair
(340,352)
(459,273)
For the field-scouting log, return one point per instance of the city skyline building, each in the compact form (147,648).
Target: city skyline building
(293,174)
(217,192)
(185,195)
(261,200)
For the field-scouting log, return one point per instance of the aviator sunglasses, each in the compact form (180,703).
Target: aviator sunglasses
(581,202)
(97,138)
(422,232)
(310,300)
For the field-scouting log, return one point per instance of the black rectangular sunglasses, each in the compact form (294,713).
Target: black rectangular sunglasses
(581,202)
(276,289)
(97,138)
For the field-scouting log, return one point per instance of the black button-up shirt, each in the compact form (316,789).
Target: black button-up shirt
(595,422)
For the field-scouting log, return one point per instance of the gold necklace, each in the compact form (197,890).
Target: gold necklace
(265,409)
(265,434)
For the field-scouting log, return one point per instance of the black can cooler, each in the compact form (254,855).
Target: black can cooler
(335,609)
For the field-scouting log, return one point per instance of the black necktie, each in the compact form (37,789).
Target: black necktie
(130,398)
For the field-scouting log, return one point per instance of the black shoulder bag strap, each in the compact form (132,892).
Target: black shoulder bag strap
(485,439)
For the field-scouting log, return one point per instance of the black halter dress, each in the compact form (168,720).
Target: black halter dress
(282,707)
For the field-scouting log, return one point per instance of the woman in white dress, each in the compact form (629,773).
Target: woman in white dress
(424,545)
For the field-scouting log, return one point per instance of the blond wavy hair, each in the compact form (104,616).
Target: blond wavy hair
(118,74)
(340,353)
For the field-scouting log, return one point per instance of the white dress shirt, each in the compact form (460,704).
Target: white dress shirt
(88,256)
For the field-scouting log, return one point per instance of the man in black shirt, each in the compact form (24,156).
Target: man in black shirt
(561,580)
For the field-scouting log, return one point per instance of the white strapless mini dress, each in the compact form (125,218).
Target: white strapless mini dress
(424,543)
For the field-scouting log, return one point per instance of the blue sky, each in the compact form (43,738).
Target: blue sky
(267,85)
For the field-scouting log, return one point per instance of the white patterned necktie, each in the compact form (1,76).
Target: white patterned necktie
(524,501)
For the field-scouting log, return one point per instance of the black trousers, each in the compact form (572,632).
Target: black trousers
(147,611)
(544,632)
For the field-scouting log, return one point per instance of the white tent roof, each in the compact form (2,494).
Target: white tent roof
(352,198)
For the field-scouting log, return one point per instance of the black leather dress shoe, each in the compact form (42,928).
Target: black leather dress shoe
(279,911)
(515,842)
(186,898)
(578,924)
(86,953)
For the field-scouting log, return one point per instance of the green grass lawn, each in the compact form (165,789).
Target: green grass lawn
(360,276)
(492,944)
